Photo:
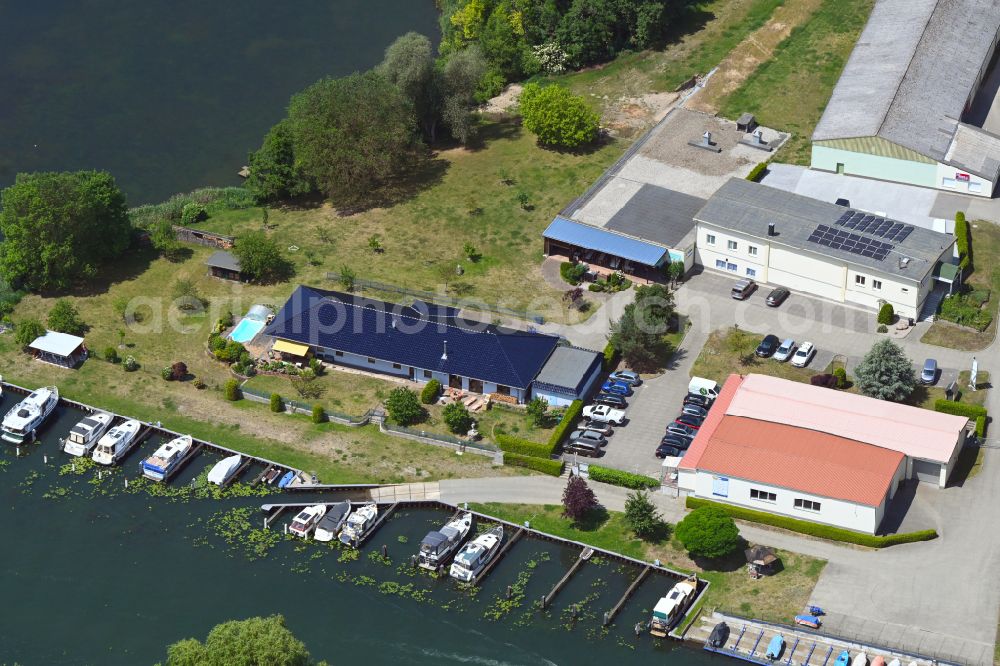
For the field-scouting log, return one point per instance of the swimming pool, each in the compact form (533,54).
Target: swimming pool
(246,330)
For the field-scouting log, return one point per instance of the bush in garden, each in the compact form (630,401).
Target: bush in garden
(886,314)
(111,354)
(578,499)
(178,370)
(430,392)
(231,390)
(130,364)
(709,532)
(166,373)
(841,376)
(404,406)
(318,414)
(192,213)
(277,404)
(457,417)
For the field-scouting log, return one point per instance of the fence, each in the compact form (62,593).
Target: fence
(439,439)
(439,299)
(298,407)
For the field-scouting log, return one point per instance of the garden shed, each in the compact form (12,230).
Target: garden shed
(60,349)
(224,265)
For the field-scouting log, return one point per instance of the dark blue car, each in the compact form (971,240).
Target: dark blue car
(620,388)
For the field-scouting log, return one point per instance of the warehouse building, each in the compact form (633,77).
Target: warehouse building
(749,230)
(816,454)
(903,108)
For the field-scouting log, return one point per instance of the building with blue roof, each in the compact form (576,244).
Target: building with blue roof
(419,342)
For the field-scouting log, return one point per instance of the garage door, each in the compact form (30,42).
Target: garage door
(927,471)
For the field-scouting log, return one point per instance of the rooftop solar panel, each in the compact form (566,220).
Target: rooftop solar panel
(901,236)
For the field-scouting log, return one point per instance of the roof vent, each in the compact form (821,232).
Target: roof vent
(393,323)
(770,229)
(904,262)
(444,356)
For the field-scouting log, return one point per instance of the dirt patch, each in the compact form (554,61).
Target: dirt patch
(630,115)
(504,102)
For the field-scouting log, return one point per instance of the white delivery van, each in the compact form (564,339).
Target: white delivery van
(705,387)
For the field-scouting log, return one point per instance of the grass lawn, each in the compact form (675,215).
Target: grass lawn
(790,91)
(926,396)
(730,350)
(774,598)
(985,275)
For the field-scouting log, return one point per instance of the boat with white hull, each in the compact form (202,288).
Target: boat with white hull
(159,465)
(476,554)
(116,442)
(358,524)
(224,469)
(437,546)
(328,528)
(23,420)
(305,521)
(85,434)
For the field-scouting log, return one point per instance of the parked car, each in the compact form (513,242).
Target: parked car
(767,346)
(681,429)
(597,426)
(688,420)
(700,400)
(928,375)
(665,450)
(784,351)
(604,413)
(611,400)
(742,289)
(777,297)
(627,376)
(588,436)
(583,448)
(695,410)
(618,388)
(803,355)
(676,441)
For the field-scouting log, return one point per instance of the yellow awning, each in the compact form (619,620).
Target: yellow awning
(293,348)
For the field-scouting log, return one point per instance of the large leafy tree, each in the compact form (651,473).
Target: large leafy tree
(587,31)
(260,257)
(558,117)
(885,372)
(638,335)
(409,65)
(59,228)
(352,134)
(460,77)
(274,175)
(404,406)
(641,515)
(251,642)
(709,532)
(578,499)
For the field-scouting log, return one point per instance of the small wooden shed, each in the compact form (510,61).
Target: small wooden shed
(224,265)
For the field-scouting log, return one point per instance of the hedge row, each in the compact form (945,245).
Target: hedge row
(814,529)
(959,408)
(757,171)
(610,357)
(619,478)
(981,426)
(511,444)
(566,425)
(547,466)
(963,241)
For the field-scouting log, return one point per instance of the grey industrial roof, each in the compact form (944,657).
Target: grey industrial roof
(567,367)
(912,72)
(224,260)
(976,151)
(747,208)
(657,214)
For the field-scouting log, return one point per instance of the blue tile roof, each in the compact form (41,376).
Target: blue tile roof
(595,238)
(364,327)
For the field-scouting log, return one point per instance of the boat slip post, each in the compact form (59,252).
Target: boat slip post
(792,651)
(610,615)
(547,599)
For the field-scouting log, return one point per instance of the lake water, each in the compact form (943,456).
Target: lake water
(95,574)
(170,95)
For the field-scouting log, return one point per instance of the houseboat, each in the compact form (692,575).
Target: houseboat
(437,546)
(224,469)
(116,442)
(358,524)
(85,434)
(333,522)
(159,466)
(476,554)
(23,420)
(306,519)
(670,608)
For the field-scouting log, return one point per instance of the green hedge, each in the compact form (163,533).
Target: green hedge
(572,273)
(547,466)
(619,478)
(959,408)
(963,241)
(886,314)
(430,392)
(610,357)
(981,426)
(814,529)
(757,172)
(566,425)
(511,444)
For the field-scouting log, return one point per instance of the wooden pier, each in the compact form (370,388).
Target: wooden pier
(499,556)
(583,557)
(609,617)
(383,516)
(238,473)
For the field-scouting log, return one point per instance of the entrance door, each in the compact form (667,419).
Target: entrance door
(455,381)
(929,472)
(475,386)
(840,168)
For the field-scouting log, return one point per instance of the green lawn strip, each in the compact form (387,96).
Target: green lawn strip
(790,91)
(731,350)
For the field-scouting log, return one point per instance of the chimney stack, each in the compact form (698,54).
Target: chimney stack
(444,356)
(770,229)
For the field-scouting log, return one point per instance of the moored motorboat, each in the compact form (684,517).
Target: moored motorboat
(116,442)
(775,647)
(843,659)
(358,524)
(719,635)
(333,522)
(287,479)
(861,659)
(305,521)
(166,458)
(23,420)
(879,660)
(224,469)
(437,546)
(86,433)
(669,608)
(476,554)
(895,662)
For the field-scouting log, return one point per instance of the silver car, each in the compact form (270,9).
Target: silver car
(695,410)
(626,377)
(588,436)
(785,350)
(597,426)
(928,375)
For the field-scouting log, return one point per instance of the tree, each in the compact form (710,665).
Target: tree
(460,77)
(409,65)
(164,240)
(503,44)
(260,257)
(709,532)
(675,271)
(641,515)
(430,392)
(257,640)
(27,330)
(558,117)
(536,410)
(587,32)
(404,406)
(274,175)
(306,386)
(963,241)
(178,370)
(65,318)
(638,335)
(347,278)
(351,135)
(886,314)
(457,417)
(885,372)
(58,228)
(578,499)
(276,403)
(186,295)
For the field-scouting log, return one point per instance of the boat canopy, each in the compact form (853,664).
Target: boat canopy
(432,542)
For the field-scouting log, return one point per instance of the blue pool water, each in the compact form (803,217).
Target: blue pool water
(246,330)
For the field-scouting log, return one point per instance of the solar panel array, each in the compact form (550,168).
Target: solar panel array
(869,245)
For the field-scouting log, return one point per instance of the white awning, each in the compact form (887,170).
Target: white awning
(60,344)
(671,462)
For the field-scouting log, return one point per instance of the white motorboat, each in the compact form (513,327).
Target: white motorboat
(476,554)
(23,420)
(860,660)
(158,466)
(437,546)
(306,519)
(116,442)
(333,522)
(224,469)
(669,609)
(85,434)
(358,524)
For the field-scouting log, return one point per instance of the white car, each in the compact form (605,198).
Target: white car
(604,414)
(784,351)
(803,355)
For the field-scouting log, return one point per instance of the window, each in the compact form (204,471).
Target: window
(397,366)
(710,239)
(752,249)
(371,360)
(949,182)
(340,353)
(731,245)
(503,390)
(720,264)
(807,505)
(428,374)
(731,267)
(876,284)
(904,289)
(975,187)
(751,272)
(762,495)
(859,280)
(720,486)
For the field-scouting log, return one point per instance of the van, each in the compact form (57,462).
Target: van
(702,386)
(743,289)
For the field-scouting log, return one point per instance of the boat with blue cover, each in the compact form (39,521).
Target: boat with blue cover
(775,647)
(286,480)
(843,659)
(166,458)
(810,621)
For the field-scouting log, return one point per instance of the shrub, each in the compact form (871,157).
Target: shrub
(316,366)
(610,357)
(277,405)
(624,479)
(179,370)
(963,310)
(404,406)
(578,499)
(558,117)
(882,328)
(595,287)
(841,376)
(544,465)
(430,392)
(130,364)
(757,172)
(641,515)
(536,410)
(511,444)
(318,414)
(710,532)
(814,529)
(229,351)
(959,408)
(963,241)
(192,213)
(457,417)
(886,314)
(111,355)
(231,390)
(981,426)
(198,383)
(166,373)
(572,273)
(566,424)
(824,380)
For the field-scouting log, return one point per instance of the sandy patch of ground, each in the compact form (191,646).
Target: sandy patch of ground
(505,101)
(630,115)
